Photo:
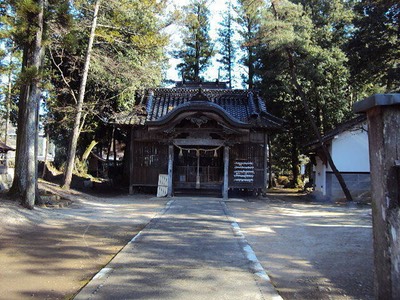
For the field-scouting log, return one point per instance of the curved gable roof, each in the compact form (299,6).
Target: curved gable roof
(198,103)
(198,106)
(242,108)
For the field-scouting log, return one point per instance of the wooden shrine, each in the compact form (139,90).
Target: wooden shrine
(202,136)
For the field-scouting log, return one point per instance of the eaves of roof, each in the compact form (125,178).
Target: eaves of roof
(328,136)
(5,148)
(198,106)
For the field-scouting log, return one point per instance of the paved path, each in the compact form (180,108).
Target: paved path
(192,250)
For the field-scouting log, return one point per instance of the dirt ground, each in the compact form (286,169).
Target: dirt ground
(50,253)
(310,250)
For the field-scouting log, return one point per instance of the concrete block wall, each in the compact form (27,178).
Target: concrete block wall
(359,185)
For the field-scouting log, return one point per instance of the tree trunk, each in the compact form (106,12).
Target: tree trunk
(115,151)
(295,162)
(45,155)
(29,197)
(8,97)
(250,72)
(110,144)
(88,150)
(77,121)
(314,126)
(38,199)
(25,179)
(197,63)
(19,182)
(230,50)
(270,179)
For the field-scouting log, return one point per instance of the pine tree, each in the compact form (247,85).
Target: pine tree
(197,49)
(10,67)
(226,40)
(308,72)
(29,33)
(249,16)
(374,47)
(331,24)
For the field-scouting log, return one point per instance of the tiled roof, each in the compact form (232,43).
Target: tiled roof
(328,136)
(215,85)
(241,105)
(5,148)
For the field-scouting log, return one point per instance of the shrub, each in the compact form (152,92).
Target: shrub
(283,180)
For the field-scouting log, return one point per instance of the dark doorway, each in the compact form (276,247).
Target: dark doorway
(198,167)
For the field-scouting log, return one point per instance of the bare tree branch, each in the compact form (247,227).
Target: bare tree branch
(71,91)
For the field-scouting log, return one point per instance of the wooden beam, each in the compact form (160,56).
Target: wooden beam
(198,142)
(131,166)
(225,185)
(201,129)
(266,155)
(170,169)
(384,150)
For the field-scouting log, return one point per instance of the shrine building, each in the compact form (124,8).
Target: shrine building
(200,136)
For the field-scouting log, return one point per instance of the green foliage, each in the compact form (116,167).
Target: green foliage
(128,54)
(28,74)
(312,35)
(197,49)
(374,47)
(249,17)
(23,14)
(283,180)
(227,49)
(10,64)
(81,168)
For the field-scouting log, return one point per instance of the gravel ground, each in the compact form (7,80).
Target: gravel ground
(311,250)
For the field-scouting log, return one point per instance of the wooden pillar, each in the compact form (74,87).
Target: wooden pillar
(383,113)
(198,170)
(170,169)
(131,156)
(266,168)
(225,185)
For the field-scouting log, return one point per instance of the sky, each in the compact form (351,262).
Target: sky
(216,7)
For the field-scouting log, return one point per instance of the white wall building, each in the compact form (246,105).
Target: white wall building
(348,146)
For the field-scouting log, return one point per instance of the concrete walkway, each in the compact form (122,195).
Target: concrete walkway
(193,250)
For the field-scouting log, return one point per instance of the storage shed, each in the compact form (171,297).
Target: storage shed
(348,147)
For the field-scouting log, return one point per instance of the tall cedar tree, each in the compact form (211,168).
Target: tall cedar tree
(374,47)
(10,67)
(197,49)
(249,16)
(325,24)
(331,99)
(227,47)
(24,27)
(29,32)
